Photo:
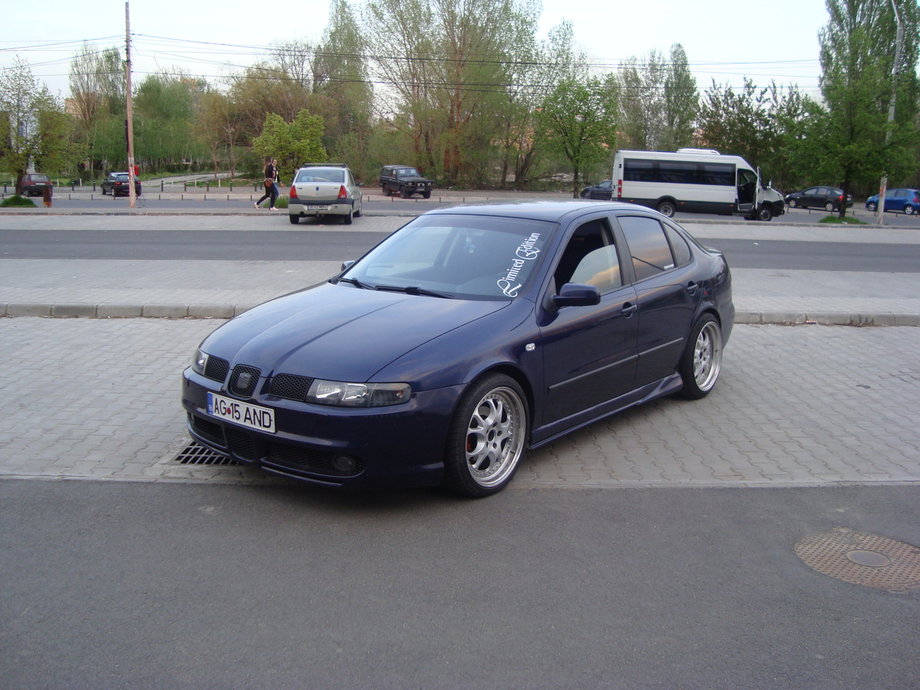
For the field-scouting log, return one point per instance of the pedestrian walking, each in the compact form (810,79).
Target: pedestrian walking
(271,183)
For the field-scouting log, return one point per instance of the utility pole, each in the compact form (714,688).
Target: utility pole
(899,40)
(129,121)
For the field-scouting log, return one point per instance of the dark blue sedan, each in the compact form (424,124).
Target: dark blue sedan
(462,340)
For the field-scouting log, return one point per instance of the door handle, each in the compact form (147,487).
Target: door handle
(629,309)
(692,286)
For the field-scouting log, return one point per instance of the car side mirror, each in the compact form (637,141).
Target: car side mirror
(577,295)
(347,264)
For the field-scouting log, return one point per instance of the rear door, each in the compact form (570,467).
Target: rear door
(667,294)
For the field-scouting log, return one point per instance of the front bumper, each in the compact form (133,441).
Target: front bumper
(401,445)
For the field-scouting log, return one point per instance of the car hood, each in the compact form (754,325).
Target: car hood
(339,332)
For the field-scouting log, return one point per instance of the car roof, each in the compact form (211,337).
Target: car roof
(323,165)
(554,211)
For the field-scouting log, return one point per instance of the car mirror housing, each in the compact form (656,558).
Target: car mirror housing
(577,295)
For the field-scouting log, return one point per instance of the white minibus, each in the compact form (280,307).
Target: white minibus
(694,180)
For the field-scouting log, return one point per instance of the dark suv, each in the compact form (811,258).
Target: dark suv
(403,180)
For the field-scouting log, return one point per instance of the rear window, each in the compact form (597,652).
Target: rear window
(320,175)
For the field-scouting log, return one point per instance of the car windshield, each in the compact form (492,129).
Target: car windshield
(336,175)
(461,256)
(407,172)
(39,178)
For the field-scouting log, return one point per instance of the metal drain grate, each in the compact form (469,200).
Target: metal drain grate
(862,559)
(193,454)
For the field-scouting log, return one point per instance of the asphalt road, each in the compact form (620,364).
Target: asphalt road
(188,586)
(330,245)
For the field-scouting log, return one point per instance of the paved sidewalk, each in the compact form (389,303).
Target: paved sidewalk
(796,406)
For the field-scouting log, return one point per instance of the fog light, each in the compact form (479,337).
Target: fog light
(345,464)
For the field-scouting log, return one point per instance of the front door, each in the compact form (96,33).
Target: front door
(589,352)
(747,190)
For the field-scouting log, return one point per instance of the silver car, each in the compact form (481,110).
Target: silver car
(324,189)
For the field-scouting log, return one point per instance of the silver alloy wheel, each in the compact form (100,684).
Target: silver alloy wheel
(495,436)
(707,356)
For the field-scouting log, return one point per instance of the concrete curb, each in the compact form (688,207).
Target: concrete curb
(108,310)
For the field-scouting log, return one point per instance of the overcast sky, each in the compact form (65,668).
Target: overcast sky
(724,40)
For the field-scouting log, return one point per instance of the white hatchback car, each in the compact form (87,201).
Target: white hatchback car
(324,189)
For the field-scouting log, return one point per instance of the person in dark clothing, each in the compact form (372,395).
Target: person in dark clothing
(271,183)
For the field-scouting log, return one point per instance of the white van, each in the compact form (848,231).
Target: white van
(695,180)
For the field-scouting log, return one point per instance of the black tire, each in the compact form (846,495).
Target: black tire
(829,206)
(793,203)
(872,206)
(294,219)
(488,437)
(702,359)
(763,213)
(908,210)
(427,195)
(347,218)
(667,208)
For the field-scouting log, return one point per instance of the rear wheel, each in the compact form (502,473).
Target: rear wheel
(667,208)
(702,359)
(909,210)
(294,219)
(347,218)
(487,438)
(829,206)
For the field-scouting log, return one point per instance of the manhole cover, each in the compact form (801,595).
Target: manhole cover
(193,454)
(862,559)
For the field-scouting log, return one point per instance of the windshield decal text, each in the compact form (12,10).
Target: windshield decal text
(524,253)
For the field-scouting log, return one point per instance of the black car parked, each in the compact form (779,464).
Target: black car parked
(602,190)
(116,184)
(828,198)
(404,180)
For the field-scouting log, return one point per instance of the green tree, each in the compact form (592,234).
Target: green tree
(33,127)
(681,102)
(98,103)
(340,74)
(579,121)
(217,124)
(294,143)
(857,56)
(444,66)
(165,106)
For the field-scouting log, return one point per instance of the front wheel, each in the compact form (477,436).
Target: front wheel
(667,208)
(702,359)
(487,438)
(793,203)
(872,206)
(763,213)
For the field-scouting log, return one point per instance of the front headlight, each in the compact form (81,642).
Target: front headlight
(199,362)
(358,394)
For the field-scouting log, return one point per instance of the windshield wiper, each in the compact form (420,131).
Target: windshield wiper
(413,290)
(354,281)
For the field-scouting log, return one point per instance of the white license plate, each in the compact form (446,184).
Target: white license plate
(244,414)
(317,208)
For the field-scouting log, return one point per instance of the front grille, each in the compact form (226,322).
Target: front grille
(290,386)
(216,368)
(207,430)
(242,444)
(243,380)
